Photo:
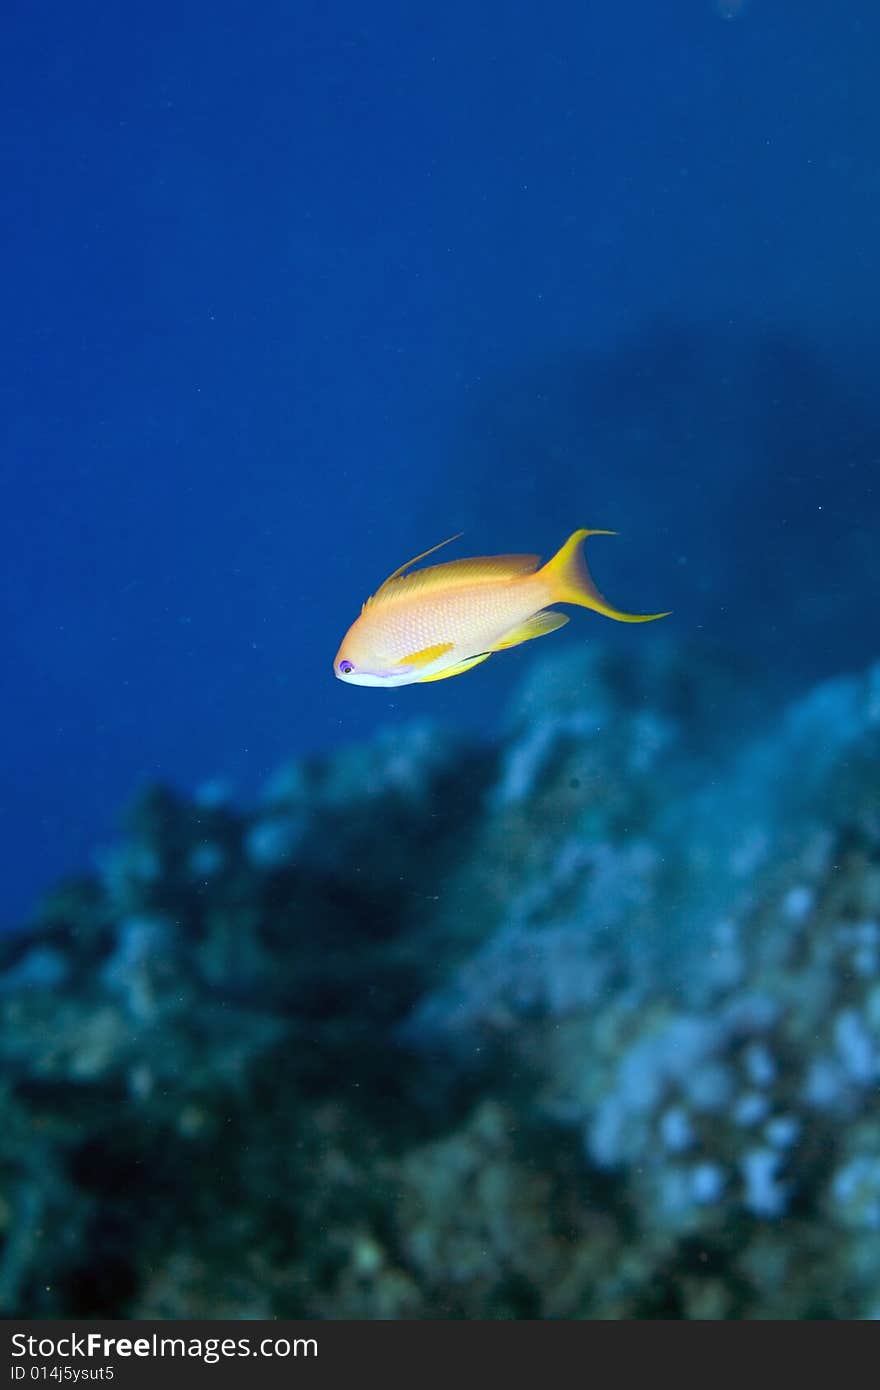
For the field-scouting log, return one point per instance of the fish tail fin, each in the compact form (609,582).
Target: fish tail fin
(571,581)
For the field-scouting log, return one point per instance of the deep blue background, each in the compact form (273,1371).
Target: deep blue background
(292,290)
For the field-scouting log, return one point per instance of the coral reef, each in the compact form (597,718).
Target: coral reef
(583,1025)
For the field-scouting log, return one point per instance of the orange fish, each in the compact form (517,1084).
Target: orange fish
(442,620)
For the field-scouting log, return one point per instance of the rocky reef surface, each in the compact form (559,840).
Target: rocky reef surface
(585,1024)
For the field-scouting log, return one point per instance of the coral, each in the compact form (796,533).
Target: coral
(583,1025)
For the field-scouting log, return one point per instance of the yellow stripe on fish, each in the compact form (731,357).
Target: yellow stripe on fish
(437,622)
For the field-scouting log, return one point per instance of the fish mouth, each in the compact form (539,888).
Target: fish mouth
(399,675)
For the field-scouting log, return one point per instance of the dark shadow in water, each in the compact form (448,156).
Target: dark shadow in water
(740,468)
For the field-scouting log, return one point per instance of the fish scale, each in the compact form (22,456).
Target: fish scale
(442,620)
(472,618)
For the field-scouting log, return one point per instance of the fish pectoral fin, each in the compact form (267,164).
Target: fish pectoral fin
(457,670)
(425,656)
(536,626)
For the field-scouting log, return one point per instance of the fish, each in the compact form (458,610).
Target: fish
(433,623)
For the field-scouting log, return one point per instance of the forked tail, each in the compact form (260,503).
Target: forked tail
(571,581)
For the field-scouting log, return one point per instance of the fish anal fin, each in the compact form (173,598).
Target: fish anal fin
(536,626)
(426,655)
(457,670)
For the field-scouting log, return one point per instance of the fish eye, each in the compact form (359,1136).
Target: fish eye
(345,667)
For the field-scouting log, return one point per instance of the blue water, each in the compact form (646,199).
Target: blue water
(293,291)
(552,991)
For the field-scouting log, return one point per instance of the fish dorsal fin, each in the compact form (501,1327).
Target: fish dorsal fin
(453,573)
(398,573)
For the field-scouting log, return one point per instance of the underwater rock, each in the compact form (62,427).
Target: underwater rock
(583,1025)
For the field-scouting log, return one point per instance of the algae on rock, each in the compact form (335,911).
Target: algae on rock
(583,1025)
